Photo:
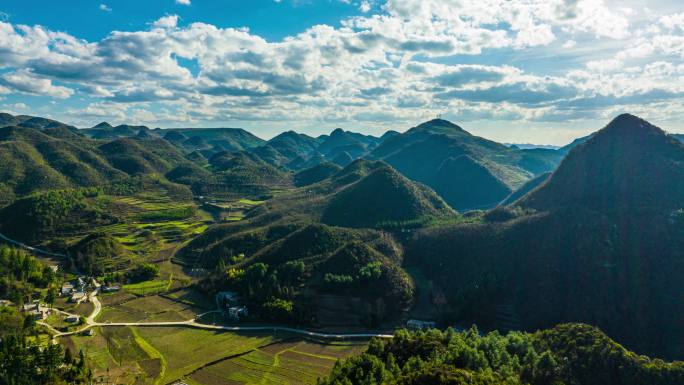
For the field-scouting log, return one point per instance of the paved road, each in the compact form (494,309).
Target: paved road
(90,323)
(30,248)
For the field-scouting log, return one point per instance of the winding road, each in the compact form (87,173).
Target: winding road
(30,248)
(90,323)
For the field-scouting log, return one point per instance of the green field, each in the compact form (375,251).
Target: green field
(151,308)
(288,362)
(186,350)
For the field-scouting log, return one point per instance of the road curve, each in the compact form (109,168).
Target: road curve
(90,323)
(29,248)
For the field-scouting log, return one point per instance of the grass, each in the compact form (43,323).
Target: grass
(251,202)
(113,355)
(287,362)
(154,308)
(186,350)
(152,353)
(150,287)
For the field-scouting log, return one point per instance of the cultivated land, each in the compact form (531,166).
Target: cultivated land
(141,353)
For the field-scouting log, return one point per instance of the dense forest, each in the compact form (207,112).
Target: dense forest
(23,362)
(21,274)
(569,354)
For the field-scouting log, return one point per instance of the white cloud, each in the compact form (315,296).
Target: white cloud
(183,2)
(365,6)
(168,21)
(371,66)
(105,7)
(24,81)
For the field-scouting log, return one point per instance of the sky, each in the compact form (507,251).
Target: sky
(516,71)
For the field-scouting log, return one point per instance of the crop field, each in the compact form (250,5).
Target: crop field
(113,355)
(151,308)
(186,350)
(287,362)
(151,224)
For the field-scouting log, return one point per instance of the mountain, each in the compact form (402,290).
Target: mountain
(526,188)
(628,164)
(600,242)
(35,160)
(333,230)
(291,144)
(565,354)
(431,154)
(530,146)
(8,120)
(383,197)
(316,174)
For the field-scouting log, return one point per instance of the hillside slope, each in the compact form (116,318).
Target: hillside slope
(432,152)
(599,242)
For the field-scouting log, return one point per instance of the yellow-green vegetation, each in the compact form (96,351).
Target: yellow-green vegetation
(152,353)
(150,287)
(153,308)
(113,355)
(288,362)
(251,202)
(186,350)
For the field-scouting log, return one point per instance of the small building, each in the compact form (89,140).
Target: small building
(236,313)
(39,314)
(66,289)
(414,324)
(77,297)
(72,319)
(88,333)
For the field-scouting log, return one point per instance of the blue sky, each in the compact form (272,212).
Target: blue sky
(543,71)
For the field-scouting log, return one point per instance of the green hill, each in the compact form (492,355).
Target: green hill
(384,197)
(566,354)
(599,242)
(98,254)
(628,164)
(316,174)
(34,160)
(430,153)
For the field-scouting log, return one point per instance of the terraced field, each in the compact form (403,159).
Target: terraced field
(151,308)
(186,350)
(288,363)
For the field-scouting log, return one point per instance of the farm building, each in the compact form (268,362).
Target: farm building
(77,297)
(66,289)
(38,312)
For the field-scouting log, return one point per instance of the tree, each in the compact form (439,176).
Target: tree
(50,296)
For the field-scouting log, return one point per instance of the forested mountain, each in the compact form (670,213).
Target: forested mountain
(599,242)
(469,172)
(354,262)
(567,354)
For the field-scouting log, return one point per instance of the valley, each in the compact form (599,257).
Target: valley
(276,261)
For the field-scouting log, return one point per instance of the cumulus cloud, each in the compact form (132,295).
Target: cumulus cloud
(24,81)
(105,7)
(404,61)
(183,2)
